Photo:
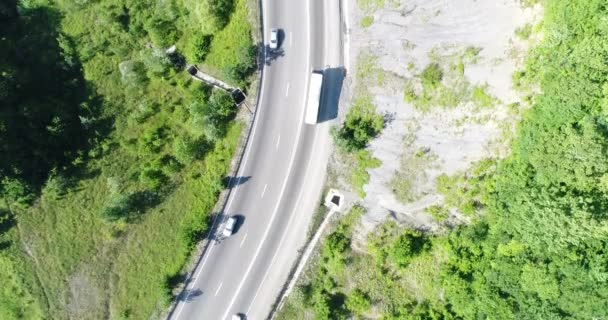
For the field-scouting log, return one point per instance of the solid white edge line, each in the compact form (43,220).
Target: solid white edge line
(272,261)
(258,115)
(293,154)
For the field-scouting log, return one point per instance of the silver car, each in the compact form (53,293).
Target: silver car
(229,226)
(274,38)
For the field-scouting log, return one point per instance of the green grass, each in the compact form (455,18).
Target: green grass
(231,45)
(67,259)
(109,264)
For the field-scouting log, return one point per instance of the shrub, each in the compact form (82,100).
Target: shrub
(118,207)
(133,73)
(359,176)
(357,302)
(361,125)
(186,149)
(152,178)
(199,47)
(431,76)
(481,98)
(367,21)
(221,105)
(524,32)
(156,61)
(163,33)
(406,246)
(16,191)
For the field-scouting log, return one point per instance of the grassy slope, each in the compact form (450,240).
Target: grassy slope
(90,268)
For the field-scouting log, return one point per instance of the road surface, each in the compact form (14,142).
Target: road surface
(282,173)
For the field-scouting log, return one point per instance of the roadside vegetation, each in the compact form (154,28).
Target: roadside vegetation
(362,124)
(446,87)
(536,244)
(113,157)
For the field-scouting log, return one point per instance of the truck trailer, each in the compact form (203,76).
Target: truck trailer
(314,98)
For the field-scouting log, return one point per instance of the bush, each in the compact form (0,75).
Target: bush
(119,207)
(186,149)
(357,302)
(156,61)
(199,47)
(16,191)
(524,32)
(152,178)
(367,21)
(163,33)
(359,176)
(481,98)
(408,245)
(133,73)
(431,76)
(361,125)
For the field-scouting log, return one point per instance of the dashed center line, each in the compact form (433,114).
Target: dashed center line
(243,241)
(264,191)
(278,141)
(218,289)
(290,39)
(287,90)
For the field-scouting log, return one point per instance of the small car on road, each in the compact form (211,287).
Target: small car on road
(229,226)
(274,38)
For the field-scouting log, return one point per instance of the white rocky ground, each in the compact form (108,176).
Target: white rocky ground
(415,32)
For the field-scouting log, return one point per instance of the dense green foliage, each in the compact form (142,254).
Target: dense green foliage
(112,156)
(362,124)
(537,245)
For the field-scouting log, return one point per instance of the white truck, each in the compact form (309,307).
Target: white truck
(314,98)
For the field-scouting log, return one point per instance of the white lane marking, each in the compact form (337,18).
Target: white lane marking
(264,191)
(272,261)
(290,39)
(243,241)
(233,194)
(278,141)
(218,289)
(291,161)
(287,90)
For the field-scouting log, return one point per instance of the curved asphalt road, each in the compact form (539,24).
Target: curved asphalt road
(282,172)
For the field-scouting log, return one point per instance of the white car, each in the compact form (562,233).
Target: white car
(274,38)
(229,226)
